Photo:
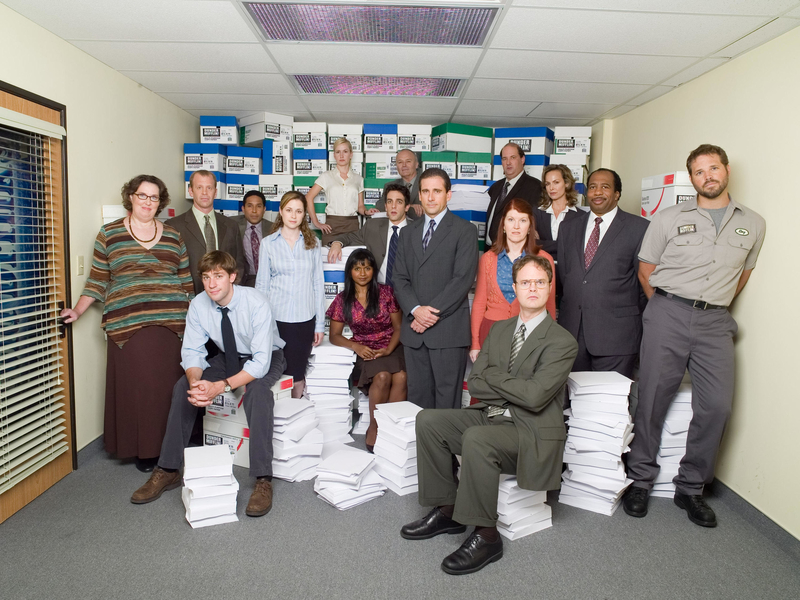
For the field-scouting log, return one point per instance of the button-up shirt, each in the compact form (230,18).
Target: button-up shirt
(384,264)
(555,221)
(200,216)
(607,219)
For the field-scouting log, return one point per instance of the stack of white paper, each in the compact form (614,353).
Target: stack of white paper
(210,489)
(347,478)
(521,512)
(469,197)
(363,409)
(673,441)
(600,430)
(296,443)
(396,446)
(328,387)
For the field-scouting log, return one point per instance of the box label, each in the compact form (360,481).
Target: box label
(565,143)
(211,132)
(373,140)
(302,165)
(468,169)
(194,160)
(269,190)
(236,163)
(302,138)
(373,195)
(235,190)
(279,164)
(524,143)
(683,198)
(406,140)
(271,130)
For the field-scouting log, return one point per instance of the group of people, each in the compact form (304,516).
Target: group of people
(628,293)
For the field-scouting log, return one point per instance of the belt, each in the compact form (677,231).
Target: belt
(698,304)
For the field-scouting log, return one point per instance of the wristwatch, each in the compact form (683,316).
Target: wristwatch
(227,386)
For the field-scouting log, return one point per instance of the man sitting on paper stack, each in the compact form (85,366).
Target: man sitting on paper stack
(250,355)
(517,427)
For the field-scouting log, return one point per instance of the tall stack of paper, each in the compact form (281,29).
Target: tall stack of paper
(210,489)
(328,387)
(469,197)
(673,441)
(521,512)
(600,430)
(296,443)
(363,409)
(396,446)
(347,478)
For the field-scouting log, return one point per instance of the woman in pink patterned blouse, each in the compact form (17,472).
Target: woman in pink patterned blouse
(373,315)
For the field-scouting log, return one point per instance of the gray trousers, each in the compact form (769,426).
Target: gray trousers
(488,447)
(258,406)
(436,375)
(677,337)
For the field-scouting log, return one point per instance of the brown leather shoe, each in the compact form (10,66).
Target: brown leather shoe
(160,481)
(260,499)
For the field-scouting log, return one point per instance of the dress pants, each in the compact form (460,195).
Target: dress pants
(677,337)
(622,364)
(258,406)
(436,375)
(488,447)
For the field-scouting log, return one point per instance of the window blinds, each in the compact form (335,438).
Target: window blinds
(33,427)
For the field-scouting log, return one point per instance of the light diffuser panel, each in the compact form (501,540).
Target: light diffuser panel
(378,86)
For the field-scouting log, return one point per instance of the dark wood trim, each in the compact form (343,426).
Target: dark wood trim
(35,98)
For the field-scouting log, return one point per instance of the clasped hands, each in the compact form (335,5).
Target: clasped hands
(202,392)
(424,317)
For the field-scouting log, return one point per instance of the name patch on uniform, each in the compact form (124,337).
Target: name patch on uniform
(687,229)
(742,231)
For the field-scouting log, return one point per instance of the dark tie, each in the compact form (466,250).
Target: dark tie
(229,341)
(211,242)
(503,193)
(427,239)
(593,243)
(516,344)
(254,246)
(392,254)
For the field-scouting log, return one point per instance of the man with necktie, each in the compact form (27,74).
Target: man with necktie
(408,168)
(239,321)
(437,258)
(253,227)
(516,428)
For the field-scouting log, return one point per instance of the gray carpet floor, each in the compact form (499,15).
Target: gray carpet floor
(84,539)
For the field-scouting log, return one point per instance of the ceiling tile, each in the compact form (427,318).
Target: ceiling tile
(694,71)
(495,108)
(344,117)
(570,110)
(234,102)
(166,56)
(380,104)
(769,31)
(211,83)
(579,66)
(552,91)
(153,20)
(620,32)
(655,92)
(716,7)
(517,122)
(618,111)
(358,59)
(793,13)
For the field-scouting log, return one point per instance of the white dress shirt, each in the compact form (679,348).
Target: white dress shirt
(555,221)
(607,219)
(382,270)
(511,183)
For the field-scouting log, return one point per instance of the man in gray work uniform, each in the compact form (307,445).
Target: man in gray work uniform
(695,258)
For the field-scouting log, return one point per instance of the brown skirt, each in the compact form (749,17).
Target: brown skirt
(339,225)
(367,369)
(139,381)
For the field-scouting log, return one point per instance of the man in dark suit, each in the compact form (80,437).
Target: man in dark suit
(204,230)
(598,265)
(516,184)
(380,236)
(517,428)
(253,227)
(436,262)
(407,167)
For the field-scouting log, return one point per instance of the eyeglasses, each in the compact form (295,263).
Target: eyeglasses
(525,284)
(145,197)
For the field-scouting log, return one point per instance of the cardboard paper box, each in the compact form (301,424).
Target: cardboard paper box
(255,128)
(353,134)
(309,163)
(210,157)
(218,130)
(310,136)
(454,137)
(414,137)
(532,140)
(440,160)
(664,190)
(243,161)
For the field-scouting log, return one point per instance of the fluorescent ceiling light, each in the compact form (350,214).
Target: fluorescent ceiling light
(378,86)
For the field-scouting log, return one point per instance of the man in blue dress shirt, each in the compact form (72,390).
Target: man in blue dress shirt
(239,321)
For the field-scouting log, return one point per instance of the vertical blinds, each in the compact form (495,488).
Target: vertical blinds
(33,428)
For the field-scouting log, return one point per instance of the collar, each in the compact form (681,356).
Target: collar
(550,210)
(503,253)
(438,218)
(401,224)
(514,181)
(532,324)
(231,306)
(278,233)
(201,216)
(607,218)
(692,204)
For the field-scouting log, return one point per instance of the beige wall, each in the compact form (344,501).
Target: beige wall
(116,129)
(749,107)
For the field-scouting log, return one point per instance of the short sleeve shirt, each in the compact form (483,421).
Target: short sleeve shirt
(342,194)
(375,333)
(693,260)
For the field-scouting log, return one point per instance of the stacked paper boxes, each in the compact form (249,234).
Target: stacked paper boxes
(209,487)
(347,478)
(600,429)
(328,387)
(673,441)
(572,148)
(536,143)
(296,442)
(521,512)
(396,446)
(363,409)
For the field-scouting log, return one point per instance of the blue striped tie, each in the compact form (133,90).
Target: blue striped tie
(427,239)
(392,254)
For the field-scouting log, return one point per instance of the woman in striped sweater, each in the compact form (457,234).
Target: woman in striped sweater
(140,271)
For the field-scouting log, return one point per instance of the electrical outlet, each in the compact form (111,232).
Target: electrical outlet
(80,265)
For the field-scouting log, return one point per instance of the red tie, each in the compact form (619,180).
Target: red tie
(591,245)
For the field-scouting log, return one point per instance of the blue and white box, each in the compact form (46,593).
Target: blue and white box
(356,163)
(220,183)
(380,138)
(219,130)
(210,157)
(243,161)
(309,163)
(236,186)
(532,140)
(534,165)
(274,187)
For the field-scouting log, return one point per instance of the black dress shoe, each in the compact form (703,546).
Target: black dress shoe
(475,553)
(146,465)
(699,512)
(634,502)
(433,524)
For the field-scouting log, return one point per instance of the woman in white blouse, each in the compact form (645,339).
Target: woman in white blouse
(344,190)
(557,205)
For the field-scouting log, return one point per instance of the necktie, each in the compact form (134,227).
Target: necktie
(254,247)
(229,341)
(427,239)
(591,245)
(516,344)
(392,254)
(211,242)
(497,209)
(504,193)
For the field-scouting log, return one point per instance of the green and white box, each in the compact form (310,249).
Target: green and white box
(356,163)
(455,137)
(474,165)
(380,165)
(260,126)
(446,161)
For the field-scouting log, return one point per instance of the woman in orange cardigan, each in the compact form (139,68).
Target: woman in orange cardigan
(494,297)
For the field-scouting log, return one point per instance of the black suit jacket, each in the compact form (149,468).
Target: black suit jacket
(440,277)
(528,188)
(413,193)
(249,279)
(543,220)
(374,235)
(607,298)
(228,239)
